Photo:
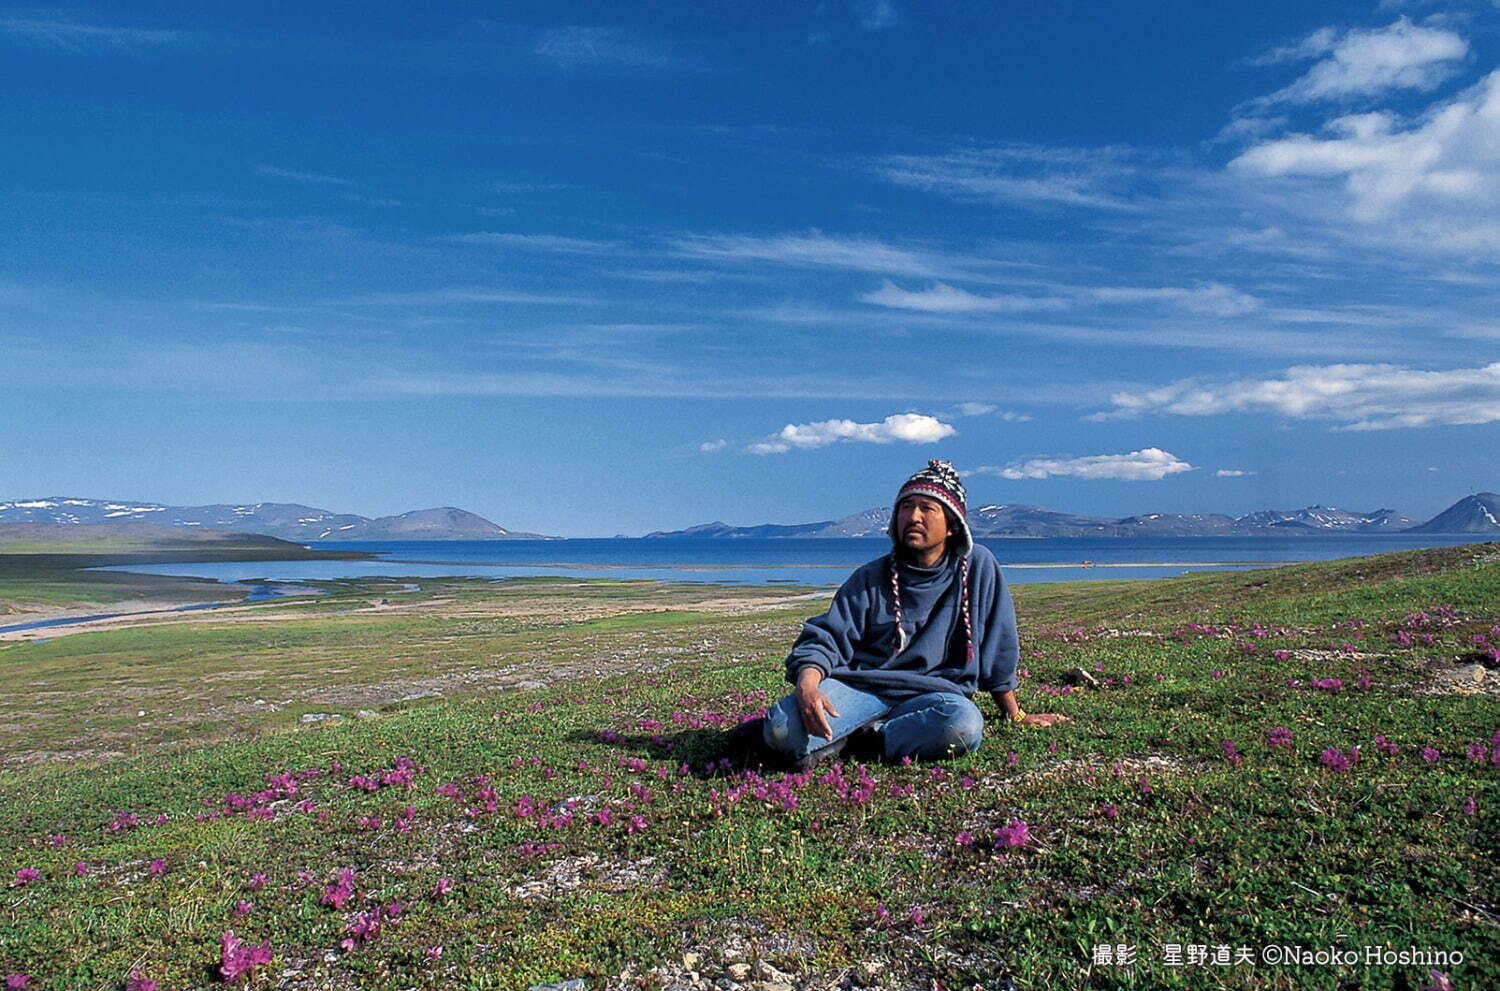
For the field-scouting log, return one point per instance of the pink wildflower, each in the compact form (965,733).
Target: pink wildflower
(1440,981)
(13,981)
(1013,759)
(917,915)
(1386,746)
(1429,754)
(1471,807)
(882,917)
(56,839)
(1144,786)
(1279,736)
(636,824)
(443,887)
(1334,760)
(1230,754)
(964,838)
(1328,684)
(157,867)
(1281,655)
(256,882)
(237,960)
(80,869)
(1111,812)
(1013,833)
(135,982)
(243,908)
(434,953)
(26,875)
(1216,674)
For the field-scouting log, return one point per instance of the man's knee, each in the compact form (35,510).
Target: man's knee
(780,727)
(962,725)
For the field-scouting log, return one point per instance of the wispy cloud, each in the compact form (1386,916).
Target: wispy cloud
(584,48)
(1232,473)
(1355,397)
(1150,464)
(459,295)
(1213,300)
(54,29)
(1021,174)
(713,446)
(876,15)
(910,428)
(943,298)
(294,175)
(1360,63)
(814,249)
(532,242)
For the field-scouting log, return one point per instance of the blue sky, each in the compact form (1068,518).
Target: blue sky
(594,268)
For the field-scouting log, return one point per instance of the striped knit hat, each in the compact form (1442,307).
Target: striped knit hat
(937,481)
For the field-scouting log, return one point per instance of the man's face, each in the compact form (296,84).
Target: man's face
(921,524)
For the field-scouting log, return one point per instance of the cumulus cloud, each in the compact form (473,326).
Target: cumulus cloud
(1150,464)
(910,428)
(1213,300)
(1355,397)
(943,298)
(1432,180)
(1368,62)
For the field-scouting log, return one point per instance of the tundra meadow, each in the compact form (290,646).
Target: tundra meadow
(1282,778)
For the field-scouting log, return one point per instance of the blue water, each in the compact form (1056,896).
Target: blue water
(259,593)
(801,561)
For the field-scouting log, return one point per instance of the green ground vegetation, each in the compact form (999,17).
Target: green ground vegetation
(1298,757)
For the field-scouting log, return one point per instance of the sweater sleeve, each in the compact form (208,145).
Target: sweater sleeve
(999,648)
(827,641)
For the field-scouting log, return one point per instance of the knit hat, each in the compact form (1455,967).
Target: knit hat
(938,481)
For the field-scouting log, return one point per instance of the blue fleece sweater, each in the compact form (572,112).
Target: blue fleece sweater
(854,641)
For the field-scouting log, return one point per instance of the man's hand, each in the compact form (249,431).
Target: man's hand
(1009,709)
(812,704)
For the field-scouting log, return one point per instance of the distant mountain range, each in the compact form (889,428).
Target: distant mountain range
(288,521)
(1479,513)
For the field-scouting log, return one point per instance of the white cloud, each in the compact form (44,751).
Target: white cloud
(814,249)
(1232,473)
(585,47)
(1213,300)
(911,428)
(975,409)
(1357,397)
(876,15)
(711,446)
(276,172)
(539,242)
(1367,62)
(1434,180)
(1025,174)
(943,298)
(49,29)
(1150,464)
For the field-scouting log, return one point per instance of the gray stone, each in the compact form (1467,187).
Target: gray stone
(317,717)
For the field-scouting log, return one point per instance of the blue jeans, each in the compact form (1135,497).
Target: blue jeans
(930,726)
